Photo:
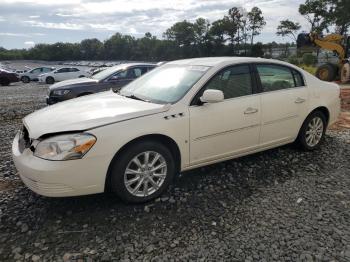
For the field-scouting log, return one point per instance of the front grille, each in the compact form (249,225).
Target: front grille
(24,140)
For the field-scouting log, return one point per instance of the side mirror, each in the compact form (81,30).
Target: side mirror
(114,78)
(212,96)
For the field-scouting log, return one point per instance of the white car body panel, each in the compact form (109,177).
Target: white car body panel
(204,134)
(62,76)
(33,74)
(104,108)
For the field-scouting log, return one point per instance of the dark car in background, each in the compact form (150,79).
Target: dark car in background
(7,77)
(112,78)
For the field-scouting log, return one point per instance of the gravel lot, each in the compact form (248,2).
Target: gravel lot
(279,205)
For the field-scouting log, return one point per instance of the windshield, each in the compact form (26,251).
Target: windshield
(166,84)
(106,73)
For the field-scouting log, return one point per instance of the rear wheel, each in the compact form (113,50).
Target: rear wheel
(4,81)
(142,172)
(50,80)
(312,131)
(25,79)
(345,73)
(327,72)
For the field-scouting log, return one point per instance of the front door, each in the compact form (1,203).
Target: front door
(223,129)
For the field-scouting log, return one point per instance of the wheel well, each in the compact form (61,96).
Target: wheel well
(4,80)
(163,139)
(324,110)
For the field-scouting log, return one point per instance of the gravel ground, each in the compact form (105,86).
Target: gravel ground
(278,205)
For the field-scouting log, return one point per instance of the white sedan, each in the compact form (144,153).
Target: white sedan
(61,74)
(180,116)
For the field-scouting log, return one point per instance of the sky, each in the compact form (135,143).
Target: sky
(24,23)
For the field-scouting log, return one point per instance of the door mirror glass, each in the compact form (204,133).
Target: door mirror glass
(212,96)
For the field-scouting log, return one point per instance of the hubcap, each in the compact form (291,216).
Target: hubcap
(314,132)
(145,174)
(324,74)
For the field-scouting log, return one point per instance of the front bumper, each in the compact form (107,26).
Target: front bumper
(59,178)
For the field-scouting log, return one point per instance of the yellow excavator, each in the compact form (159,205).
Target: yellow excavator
(339,44)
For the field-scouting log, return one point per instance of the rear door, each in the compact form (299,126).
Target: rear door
(61,74)
(284,101)
(74,73)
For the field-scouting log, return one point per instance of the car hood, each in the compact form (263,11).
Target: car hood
(73,82)
(88,112)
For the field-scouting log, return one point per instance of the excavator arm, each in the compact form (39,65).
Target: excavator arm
(332,42)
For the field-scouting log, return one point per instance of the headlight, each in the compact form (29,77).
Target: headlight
(60,92)
(65,147)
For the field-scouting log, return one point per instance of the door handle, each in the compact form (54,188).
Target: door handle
(250,110)
(299,100)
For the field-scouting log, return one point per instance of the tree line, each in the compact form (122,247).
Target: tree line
(232,35)
(227,36)
(323,16)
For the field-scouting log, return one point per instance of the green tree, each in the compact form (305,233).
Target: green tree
(91,48)
(257,50)
(256,22)
(288,28)
(217,32)
(182,33)
(339,14)
(316,13)
(309,59)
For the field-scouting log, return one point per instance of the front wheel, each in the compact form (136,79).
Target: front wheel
(50,80)
(312,131)
(327,72)
(142,172)
(25,79)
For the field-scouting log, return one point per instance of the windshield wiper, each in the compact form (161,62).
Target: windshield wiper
(132,96)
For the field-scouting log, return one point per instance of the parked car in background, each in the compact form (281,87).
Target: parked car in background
(32,75)
(94,71)
(61,74)
(182,115)
(113,77)
(7,77)
(21,71)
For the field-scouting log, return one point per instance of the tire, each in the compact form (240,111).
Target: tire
(327,72)
(119,165)
(345,73)
(4,82)
(81,76)
(317,118)
(25,79)
(49,80)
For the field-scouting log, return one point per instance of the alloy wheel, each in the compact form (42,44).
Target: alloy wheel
(314,131)
(145,173)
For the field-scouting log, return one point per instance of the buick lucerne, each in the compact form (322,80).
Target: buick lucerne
(182,115)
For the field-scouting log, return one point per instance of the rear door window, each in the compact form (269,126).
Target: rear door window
(275,77)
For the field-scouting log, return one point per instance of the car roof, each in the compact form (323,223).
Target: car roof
(214,61)
(127,65)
